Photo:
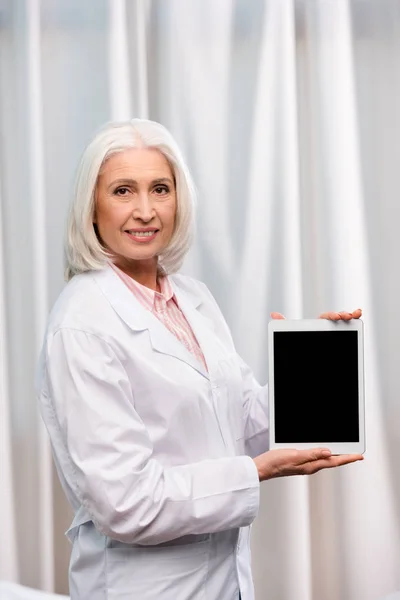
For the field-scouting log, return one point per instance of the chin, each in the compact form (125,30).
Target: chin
(135,253)
(140,256)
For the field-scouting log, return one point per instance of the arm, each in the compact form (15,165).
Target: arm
(107,455)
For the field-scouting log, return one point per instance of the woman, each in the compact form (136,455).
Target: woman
(159,430)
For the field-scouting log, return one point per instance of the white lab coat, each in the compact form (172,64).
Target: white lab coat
(152,451)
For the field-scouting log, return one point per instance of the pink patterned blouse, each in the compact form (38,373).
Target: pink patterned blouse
(164,306)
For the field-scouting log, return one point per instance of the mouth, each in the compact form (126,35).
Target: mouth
(142,235)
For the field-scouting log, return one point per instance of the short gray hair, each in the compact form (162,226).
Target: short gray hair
(83,250)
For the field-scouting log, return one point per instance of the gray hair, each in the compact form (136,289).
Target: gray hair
(83,250)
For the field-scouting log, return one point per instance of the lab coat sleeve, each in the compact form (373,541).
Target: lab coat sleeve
(255,405)
(105,452)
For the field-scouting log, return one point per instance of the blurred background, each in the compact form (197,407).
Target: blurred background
(288,114)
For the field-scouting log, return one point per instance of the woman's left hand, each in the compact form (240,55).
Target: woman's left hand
(331,316)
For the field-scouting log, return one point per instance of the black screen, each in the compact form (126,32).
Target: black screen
(316,386)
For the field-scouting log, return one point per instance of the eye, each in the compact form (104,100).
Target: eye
(160,190)
(121,191)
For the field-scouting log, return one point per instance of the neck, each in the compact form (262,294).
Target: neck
(144,272)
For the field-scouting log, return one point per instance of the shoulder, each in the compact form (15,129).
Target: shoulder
(200,297)
(190,285)
(79,305)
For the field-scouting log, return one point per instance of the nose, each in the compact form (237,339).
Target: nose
(143,209)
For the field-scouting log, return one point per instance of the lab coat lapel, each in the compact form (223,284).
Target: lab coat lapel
(203,328)
(140,319)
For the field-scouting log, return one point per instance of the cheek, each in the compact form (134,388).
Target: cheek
(170,215)
(110,216)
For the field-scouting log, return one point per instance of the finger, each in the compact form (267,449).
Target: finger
(344,459)
(318,453)
(330,462)
(345,316)
(311,455)
(337,461)
(276,315)
(331,316)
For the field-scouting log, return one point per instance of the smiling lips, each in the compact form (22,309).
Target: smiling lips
(142,235)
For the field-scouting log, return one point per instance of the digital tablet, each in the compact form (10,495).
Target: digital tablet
(316,384)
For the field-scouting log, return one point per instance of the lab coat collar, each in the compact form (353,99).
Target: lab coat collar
(139,319)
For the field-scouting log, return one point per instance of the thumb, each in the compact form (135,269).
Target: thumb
(276,315)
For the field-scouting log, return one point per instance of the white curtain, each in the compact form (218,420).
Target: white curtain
(287,112)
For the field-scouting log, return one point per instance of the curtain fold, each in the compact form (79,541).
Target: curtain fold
(287,114)
(36,182)
(8,552)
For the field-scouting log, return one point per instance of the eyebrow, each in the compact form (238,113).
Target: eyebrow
(129,181)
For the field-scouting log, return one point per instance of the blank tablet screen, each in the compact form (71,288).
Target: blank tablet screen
(316,386)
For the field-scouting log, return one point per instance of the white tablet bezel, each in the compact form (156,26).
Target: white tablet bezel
(319,325)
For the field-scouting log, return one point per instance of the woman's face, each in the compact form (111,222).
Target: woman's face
(135,206)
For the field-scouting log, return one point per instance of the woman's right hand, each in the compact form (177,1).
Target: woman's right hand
(290,461)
